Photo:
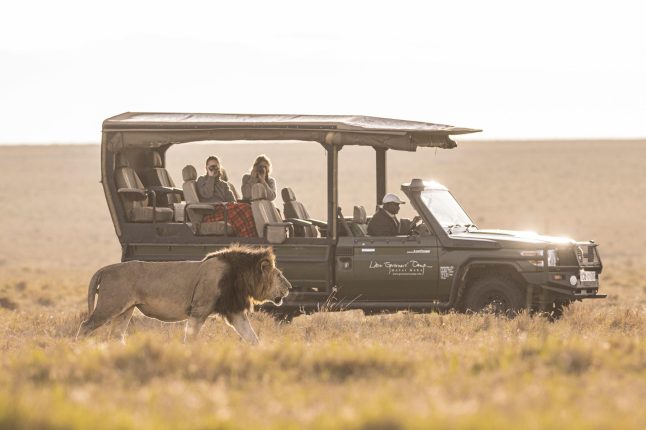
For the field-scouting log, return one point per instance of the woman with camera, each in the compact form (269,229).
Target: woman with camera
(213,189)
(259,175)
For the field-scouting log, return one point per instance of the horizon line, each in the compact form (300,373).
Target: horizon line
(471,140)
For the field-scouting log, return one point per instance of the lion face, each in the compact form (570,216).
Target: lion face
(276,285)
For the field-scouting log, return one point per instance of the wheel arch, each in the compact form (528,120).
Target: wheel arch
(477,269)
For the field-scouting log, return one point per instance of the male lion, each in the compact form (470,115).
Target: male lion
(227,282)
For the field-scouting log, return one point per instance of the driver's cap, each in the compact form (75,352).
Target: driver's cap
(392,198)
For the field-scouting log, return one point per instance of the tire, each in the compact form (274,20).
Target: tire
(556,311)
(496,294)
(284,316)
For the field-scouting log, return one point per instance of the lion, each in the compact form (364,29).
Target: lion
(227,282)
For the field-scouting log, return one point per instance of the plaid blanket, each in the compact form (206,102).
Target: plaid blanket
(240,217)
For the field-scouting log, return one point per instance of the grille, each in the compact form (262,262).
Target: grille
(586,254)
(579,254)
(567,257)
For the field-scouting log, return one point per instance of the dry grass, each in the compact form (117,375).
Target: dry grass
(332,370)
(341,370)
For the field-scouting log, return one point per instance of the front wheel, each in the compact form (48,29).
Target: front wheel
(496,294)
(554,311)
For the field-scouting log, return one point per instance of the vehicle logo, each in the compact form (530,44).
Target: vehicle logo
(418,251)
(409,268)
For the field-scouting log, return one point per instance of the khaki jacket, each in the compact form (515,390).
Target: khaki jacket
(248,181)
(212,190)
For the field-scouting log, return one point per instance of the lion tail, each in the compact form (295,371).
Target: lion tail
(92,291)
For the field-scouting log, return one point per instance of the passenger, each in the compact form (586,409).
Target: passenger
(385,223)
(259,174)
(212,188)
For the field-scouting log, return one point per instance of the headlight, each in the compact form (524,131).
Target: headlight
(534,253)
(552,258)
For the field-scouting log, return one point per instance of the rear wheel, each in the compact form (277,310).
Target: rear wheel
(496,294)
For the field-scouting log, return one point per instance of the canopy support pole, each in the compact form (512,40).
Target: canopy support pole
(381,173)
(332,189)
(332,207)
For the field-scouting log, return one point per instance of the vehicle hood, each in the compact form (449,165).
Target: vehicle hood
(512,239)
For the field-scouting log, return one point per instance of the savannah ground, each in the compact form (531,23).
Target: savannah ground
(587,370)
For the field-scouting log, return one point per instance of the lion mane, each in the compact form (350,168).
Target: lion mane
(248,277)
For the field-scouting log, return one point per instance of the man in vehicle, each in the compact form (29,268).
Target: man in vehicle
(211,187)
(385,222)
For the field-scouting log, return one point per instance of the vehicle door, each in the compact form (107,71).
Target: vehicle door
(390,268)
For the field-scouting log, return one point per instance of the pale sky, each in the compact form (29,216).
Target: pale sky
(545,69)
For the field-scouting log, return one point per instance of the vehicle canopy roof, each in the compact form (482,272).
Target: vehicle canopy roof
(155,130)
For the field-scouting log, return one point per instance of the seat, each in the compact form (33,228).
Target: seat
(158,179)
(359,225)
(295,210)
(269,224)
(135,198)
(195,210)
(343,223)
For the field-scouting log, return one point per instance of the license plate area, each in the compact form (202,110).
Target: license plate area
(587,276)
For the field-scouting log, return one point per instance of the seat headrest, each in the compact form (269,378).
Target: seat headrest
(288,195)
(359,215)
(156,159)
(122,161)
(189,173)
(258,192)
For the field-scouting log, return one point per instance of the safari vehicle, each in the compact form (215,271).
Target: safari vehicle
(444,262)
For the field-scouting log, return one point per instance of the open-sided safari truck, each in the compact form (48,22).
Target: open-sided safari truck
(444,262)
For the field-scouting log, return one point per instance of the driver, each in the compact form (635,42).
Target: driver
(385,223)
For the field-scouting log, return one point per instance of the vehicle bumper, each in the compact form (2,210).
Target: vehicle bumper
(558,282)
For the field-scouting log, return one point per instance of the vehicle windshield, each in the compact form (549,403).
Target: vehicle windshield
(446,209)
